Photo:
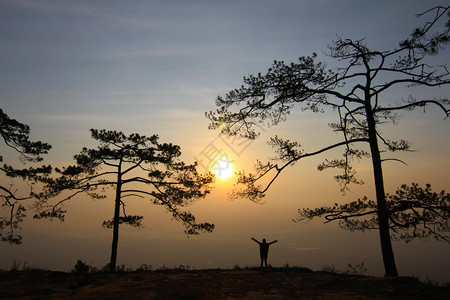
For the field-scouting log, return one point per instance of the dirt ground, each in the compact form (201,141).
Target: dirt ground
(292,283)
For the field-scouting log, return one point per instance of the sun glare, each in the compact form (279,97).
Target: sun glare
(223,168)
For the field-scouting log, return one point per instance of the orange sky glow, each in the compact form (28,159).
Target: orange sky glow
(156,68)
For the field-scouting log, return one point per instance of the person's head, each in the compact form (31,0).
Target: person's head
(264,241)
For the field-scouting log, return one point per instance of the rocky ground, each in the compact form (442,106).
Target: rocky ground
(276,283)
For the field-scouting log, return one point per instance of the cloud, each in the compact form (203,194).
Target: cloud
(88,9)
(312,248)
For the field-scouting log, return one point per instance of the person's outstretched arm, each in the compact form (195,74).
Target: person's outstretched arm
(256,240)
(273,242)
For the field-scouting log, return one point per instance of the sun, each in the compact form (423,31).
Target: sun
(223,168)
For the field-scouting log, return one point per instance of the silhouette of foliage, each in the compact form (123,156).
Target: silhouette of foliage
(354,90)
(134,166)
(15,135)
(414,212)
(81,268)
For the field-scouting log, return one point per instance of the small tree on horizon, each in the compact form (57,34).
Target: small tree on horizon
(134,166)
(355,91)
(15,201)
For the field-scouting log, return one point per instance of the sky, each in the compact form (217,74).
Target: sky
(156,67)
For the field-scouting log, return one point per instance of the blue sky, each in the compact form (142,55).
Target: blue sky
(156,67)
(128,60)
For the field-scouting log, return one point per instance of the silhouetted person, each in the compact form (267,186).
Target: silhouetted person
(264,250)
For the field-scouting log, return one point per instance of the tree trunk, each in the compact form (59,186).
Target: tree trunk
(383,214)
(115,239)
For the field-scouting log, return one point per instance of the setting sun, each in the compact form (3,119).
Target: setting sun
(176,119)
(223,168)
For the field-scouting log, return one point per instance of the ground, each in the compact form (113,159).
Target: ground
(276,283)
